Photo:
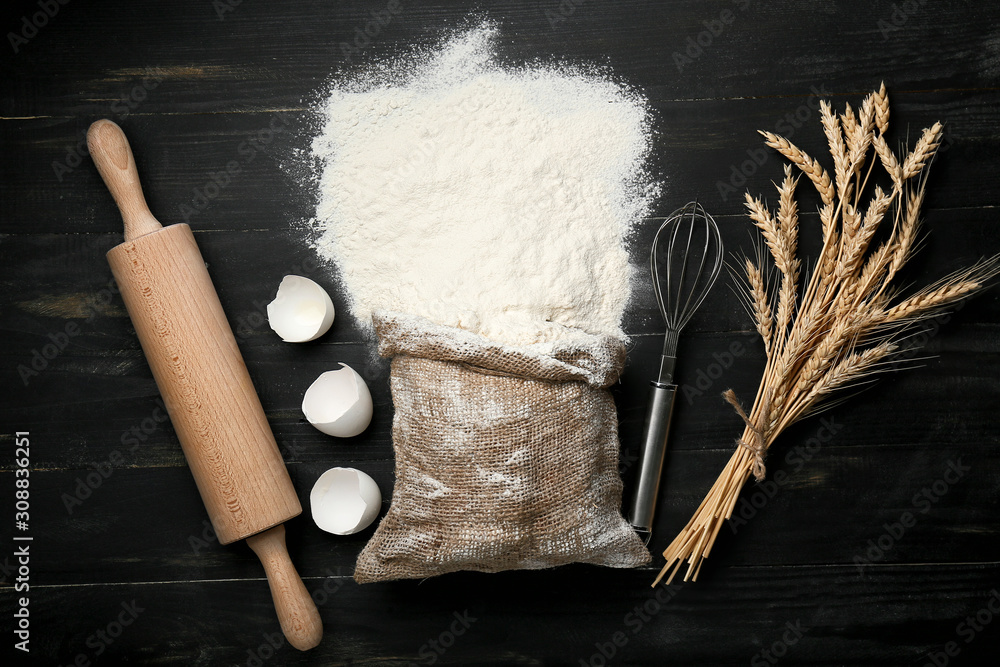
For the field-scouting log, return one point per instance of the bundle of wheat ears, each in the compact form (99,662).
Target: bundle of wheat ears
(847,323)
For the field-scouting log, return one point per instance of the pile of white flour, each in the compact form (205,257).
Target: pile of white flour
(484,197)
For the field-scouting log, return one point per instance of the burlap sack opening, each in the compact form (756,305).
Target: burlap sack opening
(506,458)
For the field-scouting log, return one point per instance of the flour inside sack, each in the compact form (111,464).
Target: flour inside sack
(489,198)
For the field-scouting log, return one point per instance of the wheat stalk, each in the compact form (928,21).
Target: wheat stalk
(759,305)
(846,324)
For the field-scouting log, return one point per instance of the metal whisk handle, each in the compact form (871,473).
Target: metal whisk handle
(656,428)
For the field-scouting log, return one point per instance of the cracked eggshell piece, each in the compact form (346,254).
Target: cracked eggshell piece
(301,311)
(344,501)
(338,403)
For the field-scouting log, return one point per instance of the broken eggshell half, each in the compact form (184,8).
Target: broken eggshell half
(301,311)
(338,403)
(344,501)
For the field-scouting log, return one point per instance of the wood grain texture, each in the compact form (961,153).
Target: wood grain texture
(297,613)
(701,149)
(846,618)
(113,158)
(117,523)
(213,407)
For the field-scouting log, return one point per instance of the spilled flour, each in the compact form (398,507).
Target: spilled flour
(484,197)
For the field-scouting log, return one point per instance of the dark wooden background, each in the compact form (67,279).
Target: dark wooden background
(190,83)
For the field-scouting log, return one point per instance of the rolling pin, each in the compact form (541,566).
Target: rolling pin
(205,385)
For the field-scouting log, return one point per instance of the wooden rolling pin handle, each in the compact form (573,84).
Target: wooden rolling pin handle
(297,612)
(113,156)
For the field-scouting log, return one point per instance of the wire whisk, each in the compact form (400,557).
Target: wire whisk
(683,274)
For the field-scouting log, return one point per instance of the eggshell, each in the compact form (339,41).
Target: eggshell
(338,403)
(301,311)
(344,501)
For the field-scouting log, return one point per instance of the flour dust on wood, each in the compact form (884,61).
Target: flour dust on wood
(490,198)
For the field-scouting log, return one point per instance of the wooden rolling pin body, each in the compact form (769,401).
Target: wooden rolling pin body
(204,383)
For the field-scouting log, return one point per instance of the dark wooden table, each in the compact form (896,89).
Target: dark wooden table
(815,570)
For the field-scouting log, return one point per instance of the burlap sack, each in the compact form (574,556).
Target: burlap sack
(506,458)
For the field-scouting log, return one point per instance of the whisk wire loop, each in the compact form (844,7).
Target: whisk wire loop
(681,291)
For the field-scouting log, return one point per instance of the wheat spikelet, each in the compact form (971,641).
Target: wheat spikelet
(852,368)
(826,219)
(788,221)
(800,338)
(857,129)
(929,300)
(827,267)
(923,151)
(881,104)
(788,210)
(877,209)
(846,299)
(867,119)
(823,355)
(854,252)
(850,124)
(889,161)
(759,304)
(862,139)
(906,232)
(874,269)
(786,307)
(851,219)
(769,229)
(810,167)
(838,149)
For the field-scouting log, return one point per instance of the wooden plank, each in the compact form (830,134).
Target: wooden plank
(822,504)
(102,405)
(256,58)
(707,149)
(892,615)
(72,281)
